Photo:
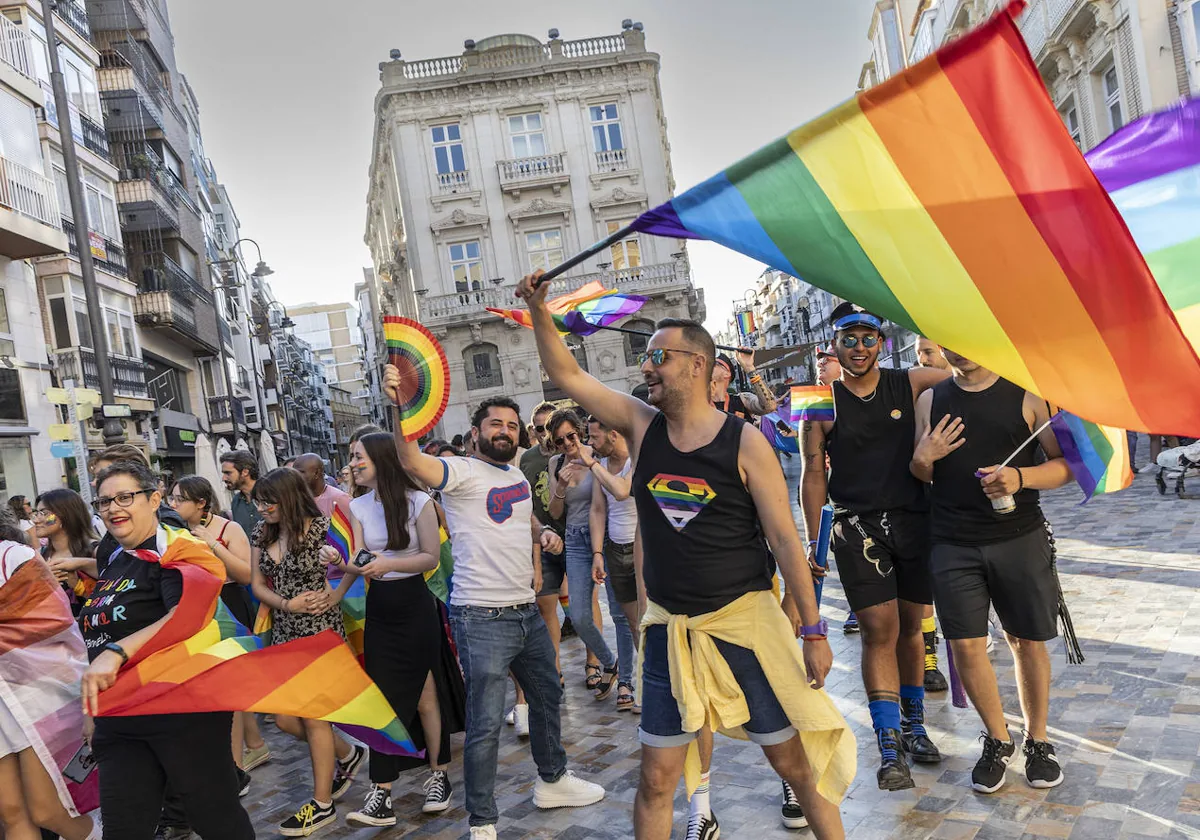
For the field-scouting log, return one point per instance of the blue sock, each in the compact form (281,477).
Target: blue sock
(912,705)
(885,714)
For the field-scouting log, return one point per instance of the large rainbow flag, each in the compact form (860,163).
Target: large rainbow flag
(1097,455)
(951,200)
(198,662)
(1151,168)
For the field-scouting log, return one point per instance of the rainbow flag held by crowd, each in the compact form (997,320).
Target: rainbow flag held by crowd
(958,245)
(42,660)
(193,665)
(340,535)
(582,312)
(811,403)
(745,322)
(1151,168)
(1097,455)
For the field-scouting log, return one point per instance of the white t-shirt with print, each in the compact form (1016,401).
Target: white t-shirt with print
(368,510)
(488,510)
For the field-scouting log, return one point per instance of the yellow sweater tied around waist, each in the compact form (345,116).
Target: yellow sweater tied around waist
(706,690)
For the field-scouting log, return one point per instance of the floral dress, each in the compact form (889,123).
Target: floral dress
(301,570)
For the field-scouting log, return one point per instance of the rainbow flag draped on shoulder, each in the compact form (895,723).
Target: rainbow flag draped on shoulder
(203,661)
(951,200)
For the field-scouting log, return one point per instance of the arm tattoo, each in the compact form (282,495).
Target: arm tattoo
(764,395)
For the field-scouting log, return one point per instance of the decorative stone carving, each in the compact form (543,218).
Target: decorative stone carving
(476,333)
(521,374)
(617,196)
(458,219)
(608,362)
(540,207)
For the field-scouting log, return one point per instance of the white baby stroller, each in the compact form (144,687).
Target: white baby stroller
(1178,464)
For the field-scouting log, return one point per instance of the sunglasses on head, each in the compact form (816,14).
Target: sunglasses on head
(849,341)
(571,436)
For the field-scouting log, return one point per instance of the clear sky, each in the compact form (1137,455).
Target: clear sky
(286,90)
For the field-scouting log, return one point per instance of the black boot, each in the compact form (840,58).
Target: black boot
(934,681)
(893,769)
(913,736)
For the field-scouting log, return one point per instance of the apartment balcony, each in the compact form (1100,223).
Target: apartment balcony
(169,299)
(107,255)
(612,160)
(144,19)
(17,69)
(147,197)
(129,375)
(453,183)
(74,16)
(225,333)
(84,129)
(480,379)
(29,219)
(223,412)
(529,172)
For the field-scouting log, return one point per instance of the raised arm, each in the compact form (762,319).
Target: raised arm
(619,485)
(761,401)
(427,469)
(623,412)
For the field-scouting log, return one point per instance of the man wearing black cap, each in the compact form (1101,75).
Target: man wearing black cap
(880,535)
(744,405)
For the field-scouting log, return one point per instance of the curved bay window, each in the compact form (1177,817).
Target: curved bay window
(635,345)
(481,363)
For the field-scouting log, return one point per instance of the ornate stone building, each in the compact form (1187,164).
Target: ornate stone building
(509,157)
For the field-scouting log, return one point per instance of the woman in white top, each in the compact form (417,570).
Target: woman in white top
(404,643)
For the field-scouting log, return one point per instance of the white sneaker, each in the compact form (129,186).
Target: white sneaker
(483,832)
(511,717)
(521,719)
(569,791)
(1149,469)
(991,645)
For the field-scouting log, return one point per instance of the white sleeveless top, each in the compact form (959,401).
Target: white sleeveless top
(622,516)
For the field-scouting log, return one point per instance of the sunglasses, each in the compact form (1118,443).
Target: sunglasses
(571,436)
(540,429)
(849,341)
(659,355)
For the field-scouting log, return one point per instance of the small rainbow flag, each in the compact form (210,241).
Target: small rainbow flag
(811,403)
(340,535)
(582,312)
(745,322)
(1097,455)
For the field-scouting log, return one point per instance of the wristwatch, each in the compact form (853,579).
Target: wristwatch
(820,630)
(118,650)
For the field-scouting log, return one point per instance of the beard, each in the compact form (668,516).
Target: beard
(503,453)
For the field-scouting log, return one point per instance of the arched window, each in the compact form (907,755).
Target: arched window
(482,365)
(635,345)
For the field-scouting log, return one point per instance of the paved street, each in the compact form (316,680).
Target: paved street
(1126,723)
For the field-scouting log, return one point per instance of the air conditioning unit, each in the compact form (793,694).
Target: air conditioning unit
(250,412)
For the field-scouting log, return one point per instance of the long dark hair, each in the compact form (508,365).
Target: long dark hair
(9,529)
(285,487)
(17,505)
(392,486)
(74,517)
(196,488)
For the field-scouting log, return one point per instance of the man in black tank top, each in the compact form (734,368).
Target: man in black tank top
(991,545)
(742,404)
(880,537)
(710,498)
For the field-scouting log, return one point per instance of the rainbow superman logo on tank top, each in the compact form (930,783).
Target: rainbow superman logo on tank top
(680,498)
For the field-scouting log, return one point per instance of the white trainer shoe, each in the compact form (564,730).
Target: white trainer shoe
(521,719)
(483,832)
(569,791)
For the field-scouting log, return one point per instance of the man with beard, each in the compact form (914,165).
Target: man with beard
(496,623)
(708,488)
(987,553)
(880,537)
(239,474)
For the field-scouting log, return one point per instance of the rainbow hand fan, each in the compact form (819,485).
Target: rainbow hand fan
(424,374)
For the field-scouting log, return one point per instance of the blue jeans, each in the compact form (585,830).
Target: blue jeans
(578,551)
(492,641)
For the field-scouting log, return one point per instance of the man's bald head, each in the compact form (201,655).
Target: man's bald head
(312,468)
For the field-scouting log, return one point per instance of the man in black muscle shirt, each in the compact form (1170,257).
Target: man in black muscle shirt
(880,537)
(991,545)
(744,404)
(710,497)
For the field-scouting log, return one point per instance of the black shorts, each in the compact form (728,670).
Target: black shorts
(554,572)
(882,556)
(1016,575)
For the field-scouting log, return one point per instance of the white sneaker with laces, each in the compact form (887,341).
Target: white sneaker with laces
(483,832)
(569,791)
(521,719)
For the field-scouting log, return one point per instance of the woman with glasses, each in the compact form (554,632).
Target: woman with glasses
(405,649)
(140,756)
(288,575)
(62,519)
(571,494)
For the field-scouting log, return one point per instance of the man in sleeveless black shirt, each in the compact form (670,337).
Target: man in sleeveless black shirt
(703,481)
(880,531)
(991,545)
(743,404)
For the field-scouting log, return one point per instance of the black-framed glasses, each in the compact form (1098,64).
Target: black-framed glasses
(571,436)
(121,500)
(658,355)
(850,341)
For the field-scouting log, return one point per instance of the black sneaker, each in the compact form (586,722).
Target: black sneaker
(988,775)
(376,809)
(893,771)
(934,681)
(850,625)
(343,774)
(1041,765)
(308,819)
(701,827)
(243,782)
(913,735)
(437,792)
(568,629)
(793,814)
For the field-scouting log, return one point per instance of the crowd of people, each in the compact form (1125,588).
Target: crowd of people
(672,501)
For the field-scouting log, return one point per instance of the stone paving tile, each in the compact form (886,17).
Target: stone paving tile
(1126,723)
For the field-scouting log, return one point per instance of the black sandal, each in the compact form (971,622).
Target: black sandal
(592,680)
(606,684)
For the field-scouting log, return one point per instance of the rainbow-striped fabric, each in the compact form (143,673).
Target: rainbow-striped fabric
(582,312)
(340,535)
(1001,245)
(745,322)
(1097,455)
(201,661)
(811,403)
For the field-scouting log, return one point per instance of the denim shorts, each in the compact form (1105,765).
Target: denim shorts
(661,725)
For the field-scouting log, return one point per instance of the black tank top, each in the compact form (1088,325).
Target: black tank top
(994,427)
(734,405)
(870,447)
(703,546)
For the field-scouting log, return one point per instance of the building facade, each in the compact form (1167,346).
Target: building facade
(370,327)
(511,157)
(347,416)
(332,331)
